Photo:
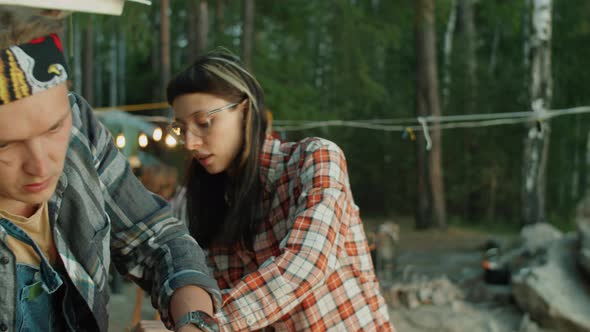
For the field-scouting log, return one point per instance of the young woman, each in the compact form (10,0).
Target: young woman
(283,235)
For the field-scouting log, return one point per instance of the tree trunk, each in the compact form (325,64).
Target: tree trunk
(491,208)
(165,46)
(320,59)
(468,39)
(113,60)
(77,77)
(427,103)
(98,64)
(448,51)
(192,19)
(494,52)
(122,67)
(156,54)
(424,201)
(536,144)
(203,27)
(220,16)
(585,166)
(198,21)
(581,166)
(88,66)
(248,32)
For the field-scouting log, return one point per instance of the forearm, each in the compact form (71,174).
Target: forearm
(189,298)
(183,300)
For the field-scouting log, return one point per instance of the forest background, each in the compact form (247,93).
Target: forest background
(381,59)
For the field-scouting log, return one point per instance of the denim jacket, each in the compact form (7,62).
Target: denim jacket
(99,212)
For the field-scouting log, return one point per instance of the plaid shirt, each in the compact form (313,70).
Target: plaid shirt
(311,269)
(100,210)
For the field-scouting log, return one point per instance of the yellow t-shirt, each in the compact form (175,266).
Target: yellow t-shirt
(38,228)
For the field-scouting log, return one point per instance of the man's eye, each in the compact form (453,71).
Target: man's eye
(56,128)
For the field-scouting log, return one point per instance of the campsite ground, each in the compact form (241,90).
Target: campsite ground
(455,253)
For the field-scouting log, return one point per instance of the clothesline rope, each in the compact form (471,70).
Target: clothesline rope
(438,122)
(395,124)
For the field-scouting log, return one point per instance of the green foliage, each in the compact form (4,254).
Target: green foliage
(355,59)
(569,140)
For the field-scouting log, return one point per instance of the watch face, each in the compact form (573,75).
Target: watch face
(204,321)
(208,320)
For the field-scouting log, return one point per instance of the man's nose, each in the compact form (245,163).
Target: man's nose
(37,159)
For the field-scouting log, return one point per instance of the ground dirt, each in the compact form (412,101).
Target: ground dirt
(456,254)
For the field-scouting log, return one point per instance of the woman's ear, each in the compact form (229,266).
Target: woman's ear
(246,107)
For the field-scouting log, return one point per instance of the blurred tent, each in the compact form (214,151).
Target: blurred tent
(109,7)
(130,126)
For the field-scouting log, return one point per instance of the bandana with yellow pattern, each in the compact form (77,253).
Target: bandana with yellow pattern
(30,68)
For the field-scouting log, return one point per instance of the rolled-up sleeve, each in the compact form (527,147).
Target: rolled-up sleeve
(147,243)
(308,252)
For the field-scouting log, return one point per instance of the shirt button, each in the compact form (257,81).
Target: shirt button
(4,260)
(250,320)
(3,327)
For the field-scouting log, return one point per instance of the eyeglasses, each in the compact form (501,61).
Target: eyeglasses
(199,123)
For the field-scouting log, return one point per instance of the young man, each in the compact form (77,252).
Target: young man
(69,204)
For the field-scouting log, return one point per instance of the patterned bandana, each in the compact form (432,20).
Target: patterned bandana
(30,68)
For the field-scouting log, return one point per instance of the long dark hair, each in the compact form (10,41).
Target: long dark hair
(225,209)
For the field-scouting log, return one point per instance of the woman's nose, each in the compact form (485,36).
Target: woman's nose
(192,141)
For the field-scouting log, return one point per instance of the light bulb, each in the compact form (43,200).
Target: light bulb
(170,141)
(157,136)
(143,140)
(120,141)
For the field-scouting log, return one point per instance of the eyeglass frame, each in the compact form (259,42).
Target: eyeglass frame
(181,137)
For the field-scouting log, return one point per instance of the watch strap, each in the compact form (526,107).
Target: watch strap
(200,319)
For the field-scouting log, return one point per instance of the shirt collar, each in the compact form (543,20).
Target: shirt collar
(270,158)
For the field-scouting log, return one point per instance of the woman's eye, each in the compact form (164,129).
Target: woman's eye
(201,121)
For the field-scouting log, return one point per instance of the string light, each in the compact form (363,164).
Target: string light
(157,136)
(409,126)
(120,141)
(142,140)
(170,141)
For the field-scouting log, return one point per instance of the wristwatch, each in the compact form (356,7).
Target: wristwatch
(200,319)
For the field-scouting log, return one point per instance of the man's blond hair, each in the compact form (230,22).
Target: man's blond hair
(19,25)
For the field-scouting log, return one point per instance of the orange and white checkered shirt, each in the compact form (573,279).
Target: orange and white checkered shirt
(311,269)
